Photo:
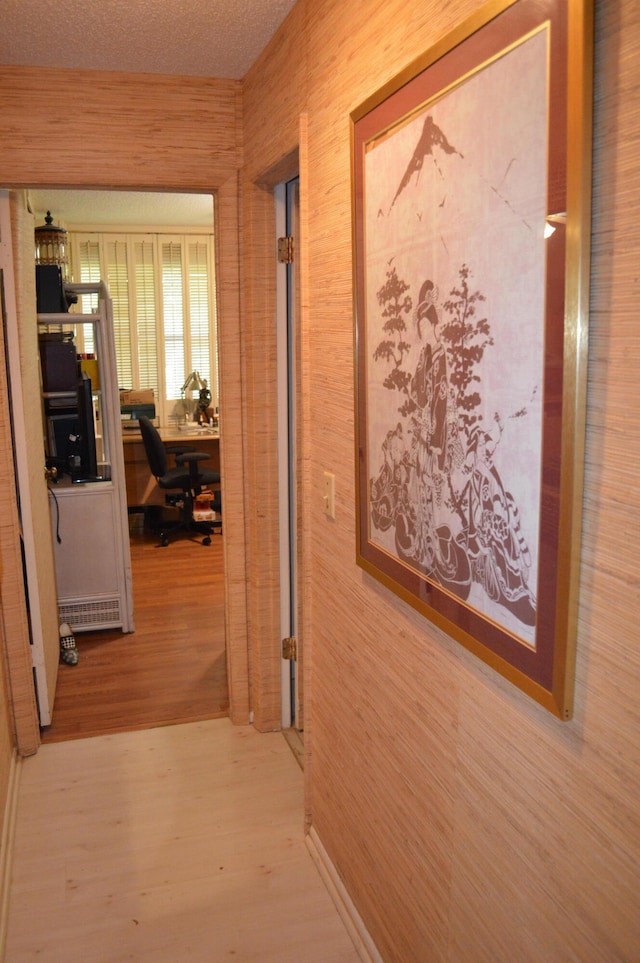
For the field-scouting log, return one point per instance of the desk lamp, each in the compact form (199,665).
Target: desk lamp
(193,383)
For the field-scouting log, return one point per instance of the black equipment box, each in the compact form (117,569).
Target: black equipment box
(50,296)
(59,364)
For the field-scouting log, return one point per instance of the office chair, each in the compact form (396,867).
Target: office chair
(186,477)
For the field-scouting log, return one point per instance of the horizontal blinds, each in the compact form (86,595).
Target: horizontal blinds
(175,348)
(163,292)
(118,283)
(90,272)
(199,308)
(146,314)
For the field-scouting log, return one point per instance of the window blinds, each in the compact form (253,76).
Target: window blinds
(163,294)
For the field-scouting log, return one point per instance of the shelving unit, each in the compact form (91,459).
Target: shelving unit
(93,563)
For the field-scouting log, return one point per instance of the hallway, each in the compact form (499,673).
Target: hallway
(175,843)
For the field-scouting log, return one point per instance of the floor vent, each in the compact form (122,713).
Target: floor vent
(84,616)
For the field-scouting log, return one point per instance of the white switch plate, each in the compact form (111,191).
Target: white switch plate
(329,496)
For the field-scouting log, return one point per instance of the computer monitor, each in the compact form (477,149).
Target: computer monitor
(88,468)
(72,438)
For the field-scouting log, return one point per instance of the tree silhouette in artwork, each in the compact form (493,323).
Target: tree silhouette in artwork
(395,304)
(466,338)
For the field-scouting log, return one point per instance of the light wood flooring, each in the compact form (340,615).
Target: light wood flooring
(172,669)
(168,844)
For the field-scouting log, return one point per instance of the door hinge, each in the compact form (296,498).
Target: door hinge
(289,648)
(285,250)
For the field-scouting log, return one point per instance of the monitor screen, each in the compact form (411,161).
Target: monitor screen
(87,470)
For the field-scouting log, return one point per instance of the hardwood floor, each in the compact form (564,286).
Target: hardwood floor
(168,844)
(172,669)
(148,827)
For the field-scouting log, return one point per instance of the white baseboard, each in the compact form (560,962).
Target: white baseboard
(358,932)
(6,846)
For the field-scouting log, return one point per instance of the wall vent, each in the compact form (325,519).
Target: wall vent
(84,616)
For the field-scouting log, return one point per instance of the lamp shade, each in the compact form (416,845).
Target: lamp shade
(193,382)
(51,245)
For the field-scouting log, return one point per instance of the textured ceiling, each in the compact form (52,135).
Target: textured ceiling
(200,38)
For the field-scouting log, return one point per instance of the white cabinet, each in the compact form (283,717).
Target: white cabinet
(93,567)
(89,507)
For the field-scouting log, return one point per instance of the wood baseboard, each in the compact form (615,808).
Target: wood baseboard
(358,932)
(6,845)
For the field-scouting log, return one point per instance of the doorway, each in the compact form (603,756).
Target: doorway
(138,694)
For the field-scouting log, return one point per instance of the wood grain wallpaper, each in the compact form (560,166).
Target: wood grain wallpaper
(73,128)
(466,822)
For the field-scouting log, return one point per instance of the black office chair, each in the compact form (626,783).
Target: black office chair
(187,477)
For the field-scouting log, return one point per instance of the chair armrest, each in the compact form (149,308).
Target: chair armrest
(191,459)
(178,449)
(191,456)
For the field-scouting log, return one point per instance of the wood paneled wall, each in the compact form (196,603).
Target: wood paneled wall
(65,128)
(467,823)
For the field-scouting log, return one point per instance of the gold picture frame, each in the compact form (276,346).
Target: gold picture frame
(471,228)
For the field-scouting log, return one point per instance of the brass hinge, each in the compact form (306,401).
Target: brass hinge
(285,250)
(289,648)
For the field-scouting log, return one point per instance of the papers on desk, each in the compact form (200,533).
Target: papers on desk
(197,430)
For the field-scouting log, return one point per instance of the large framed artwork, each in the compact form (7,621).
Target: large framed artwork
(471,222)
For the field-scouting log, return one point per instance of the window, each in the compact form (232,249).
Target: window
(163,293)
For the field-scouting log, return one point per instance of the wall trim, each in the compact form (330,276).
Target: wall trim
(358,932)
(6,845)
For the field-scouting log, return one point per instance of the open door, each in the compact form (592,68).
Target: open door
(21,336)
(288,314)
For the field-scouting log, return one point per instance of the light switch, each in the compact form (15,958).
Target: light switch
(329,497)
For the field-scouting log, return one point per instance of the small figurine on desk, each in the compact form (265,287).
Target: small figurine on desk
(204,405)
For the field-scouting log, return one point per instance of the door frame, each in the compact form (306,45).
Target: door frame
(231,376)
(28,446)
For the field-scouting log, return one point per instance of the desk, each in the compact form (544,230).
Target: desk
(142,489)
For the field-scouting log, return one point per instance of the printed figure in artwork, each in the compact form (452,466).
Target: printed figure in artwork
(429,389)
(415,503)
(385,490)
(497,551)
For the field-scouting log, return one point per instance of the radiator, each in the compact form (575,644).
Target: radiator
(86,615)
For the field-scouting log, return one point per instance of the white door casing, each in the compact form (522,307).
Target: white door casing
(16,235)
